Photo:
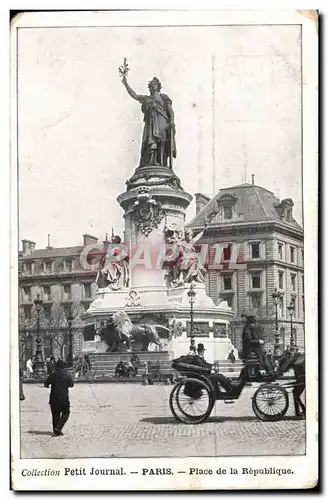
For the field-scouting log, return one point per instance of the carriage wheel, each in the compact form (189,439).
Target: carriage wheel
(270,402)
(191,407)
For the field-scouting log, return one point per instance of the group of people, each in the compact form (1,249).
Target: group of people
(128,368)
(49,365)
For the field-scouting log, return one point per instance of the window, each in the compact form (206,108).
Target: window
(302,257)
(227,212)
(302,282)
(67,292)
(46,292)
(47,312)
(281,307)
(281,280)
(256,301)
(303,305)
(289,215)
(67,310)
(229,300)
(68,265)
(227,252)
(28,267)
(256,280)
(227,282)
(295,334)
(48,267)
(293,282)
(292,254)
(27,295)
(87,290)
(28,313)
(255,250)
(280,251)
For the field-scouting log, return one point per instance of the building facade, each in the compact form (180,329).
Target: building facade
(65,285)
(254,247)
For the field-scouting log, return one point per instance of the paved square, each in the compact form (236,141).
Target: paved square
(130,420)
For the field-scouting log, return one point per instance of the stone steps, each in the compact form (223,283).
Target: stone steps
(103,365)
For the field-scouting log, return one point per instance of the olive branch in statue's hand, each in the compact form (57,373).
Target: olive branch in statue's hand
(123,70)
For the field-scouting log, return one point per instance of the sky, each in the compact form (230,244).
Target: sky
(236,93)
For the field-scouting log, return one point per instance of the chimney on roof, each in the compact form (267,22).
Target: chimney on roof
(253,175)
(201,201)
(88,239)
(49,247)
(28,247)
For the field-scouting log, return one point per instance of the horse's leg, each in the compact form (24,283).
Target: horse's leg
(296,401)
(302,405)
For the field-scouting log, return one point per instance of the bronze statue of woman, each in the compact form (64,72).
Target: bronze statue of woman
(158,140)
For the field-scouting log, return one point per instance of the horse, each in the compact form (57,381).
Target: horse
(120,330)
(297,363)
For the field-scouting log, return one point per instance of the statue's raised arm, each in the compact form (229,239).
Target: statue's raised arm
(131,92)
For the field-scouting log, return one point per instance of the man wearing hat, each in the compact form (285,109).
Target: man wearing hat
(216,378)
(60,381)
(248,335)
(201,350)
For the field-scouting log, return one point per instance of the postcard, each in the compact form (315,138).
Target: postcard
(164,218)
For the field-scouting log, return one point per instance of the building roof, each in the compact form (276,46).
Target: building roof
(45,253)
(254,204)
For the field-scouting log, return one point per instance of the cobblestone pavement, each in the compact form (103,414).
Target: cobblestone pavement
(130,420)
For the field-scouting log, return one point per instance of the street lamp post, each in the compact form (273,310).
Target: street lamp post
(38,362)
(70,337)
(191,294)
(277,349)
(291,310)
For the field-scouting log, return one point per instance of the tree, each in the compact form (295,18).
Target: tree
(24,325)
(55,325)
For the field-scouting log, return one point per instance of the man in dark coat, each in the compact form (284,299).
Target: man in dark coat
(60,381)
(50,365)
(248,335)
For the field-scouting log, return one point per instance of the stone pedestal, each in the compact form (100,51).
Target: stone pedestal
(210,322)
(153,203)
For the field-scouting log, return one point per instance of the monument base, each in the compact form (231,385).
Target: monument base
(170,308)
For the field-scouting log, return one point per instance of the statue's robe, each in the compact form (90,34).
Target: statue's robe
(157,132)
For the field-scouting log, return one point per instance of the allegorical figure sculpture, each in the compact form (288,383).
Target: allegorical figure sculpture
(158,140)
(114,268)
(183,261)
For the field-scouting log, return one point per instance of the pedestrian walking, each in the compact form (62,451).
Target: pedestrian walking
(135,361)
(231,356)
(29,368)
(60,381)
(50,365)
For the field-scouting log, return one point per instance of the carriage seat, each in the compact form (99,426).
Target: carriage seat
(189,365)
(189,368)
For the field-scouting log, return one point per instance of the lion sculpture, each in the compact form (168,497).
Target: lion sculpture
(120,333)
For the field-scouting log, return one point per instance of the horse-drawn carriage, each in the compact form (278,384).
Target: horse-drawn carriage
(198,388)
